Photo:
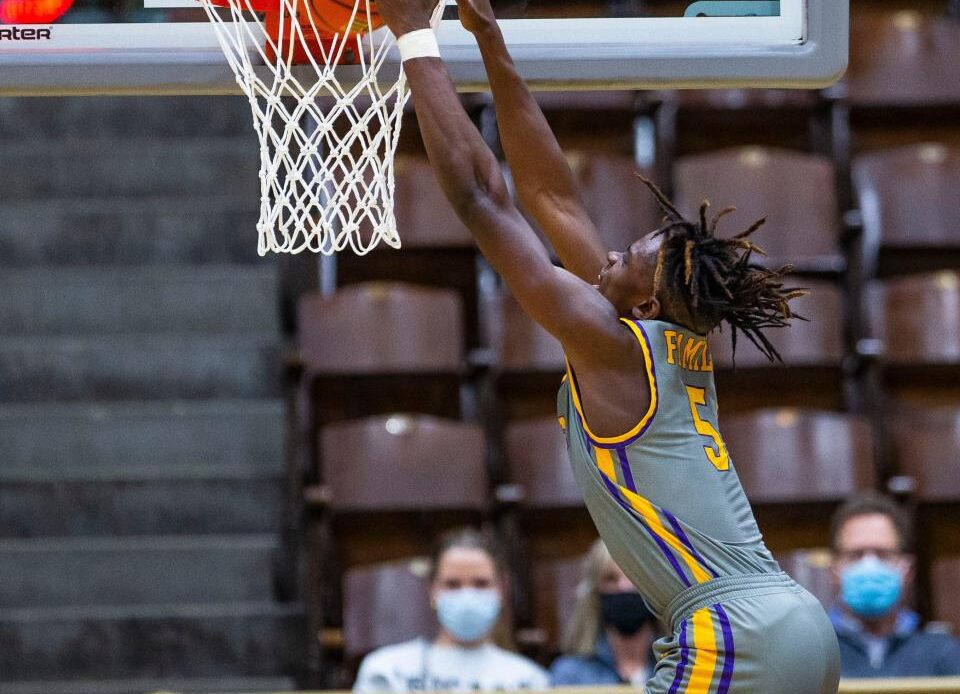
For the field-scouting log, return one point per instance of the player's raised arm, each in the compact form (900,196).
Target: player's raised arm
(471,179)
(544,182)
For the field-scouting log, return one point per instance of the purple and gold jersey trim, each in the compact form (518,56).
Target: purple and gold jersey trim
(660,524)
(645,421)
(707,653)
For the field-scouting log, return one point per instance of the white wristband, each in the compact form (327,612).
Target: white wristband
(421,43)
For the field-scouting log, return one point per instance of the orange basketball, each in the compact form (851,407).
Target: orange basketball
(333,16)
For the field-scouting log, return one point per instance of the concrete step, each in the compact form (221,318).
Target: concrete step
(151,686)
(165,641)
(137,166)
(101,301)
(135,571)
(138,367)
(127,116)
(178,500)
(191,228)
(51,438)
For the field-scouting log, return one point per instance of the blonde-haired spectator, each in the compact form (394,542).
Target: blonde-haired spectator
(609,635)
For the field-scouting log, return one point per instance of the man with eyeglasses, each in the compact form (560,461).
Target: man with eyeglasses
(873,573)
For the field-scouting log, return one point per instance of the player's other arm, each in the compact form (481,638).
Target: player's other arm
(545,184)
(472,181)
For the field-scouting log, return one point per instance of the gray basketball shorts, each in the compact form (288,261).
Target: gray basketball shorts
(751,634)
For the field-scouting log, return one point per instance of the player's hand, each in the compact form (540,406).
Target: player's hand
(404,16)
(476,15)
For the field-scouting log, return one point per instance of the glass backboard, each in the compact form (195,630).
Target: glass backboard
(168,46)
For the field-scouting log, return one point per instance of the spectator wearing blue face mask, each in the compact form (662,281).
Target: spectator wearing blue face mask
(873,574)
(467,591)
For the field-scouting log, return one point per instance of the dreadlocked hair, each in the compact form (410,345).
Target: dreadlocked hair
(714,278)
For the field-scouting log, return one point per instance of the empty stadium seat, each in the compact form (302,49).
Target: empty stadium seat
(381,347)
(795,191)
(617,202)
(910,212)
(927,451)
(696,120)
(904,58)
(918,318)
(797,456)
(528,362)
(386,604)
(944,578)
(404,463)
(381,328)
(437,249)
(908,195)
(425,218)
(519,343)
(537,458)
(554,595)
(814,342)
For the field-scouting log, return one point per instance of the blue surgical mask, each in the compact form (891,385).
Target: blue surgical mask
(870,587)
(468,613)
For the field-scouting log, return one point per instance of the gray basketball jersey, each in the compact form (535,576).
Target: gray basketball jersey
(665,496)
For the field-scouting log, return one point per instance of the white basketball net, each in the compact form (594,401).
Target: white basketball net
(326,148)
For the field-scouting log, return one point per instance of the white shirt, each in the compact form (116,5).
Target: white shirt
(419,665)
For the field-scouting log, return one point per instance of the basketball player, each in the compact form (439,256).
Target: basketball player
(638,403)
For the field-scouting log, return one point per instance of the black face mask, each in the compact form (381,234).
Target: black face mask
(625,612)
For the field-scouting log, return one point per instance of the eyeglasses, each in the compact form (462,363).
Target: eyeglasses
(885,555)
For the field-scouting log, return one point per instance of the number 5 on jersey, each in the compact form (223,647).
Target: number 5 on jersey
(717,453)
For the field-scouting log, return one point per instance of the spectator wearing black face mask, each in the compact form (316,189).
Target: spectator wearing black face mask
(608,638)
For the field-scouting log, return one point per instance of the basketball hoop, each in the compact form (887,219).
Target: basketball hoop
(326,146)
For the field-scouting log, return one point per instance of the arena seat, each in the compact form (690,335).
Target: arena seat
(790,455)
(528,362)
(519,343)
(554,595)
(437,250)
(927,450)
(385,604)
(417,475)
(425,218)
(620,205)
(944,577)
(388,462)
(901,87)
(373,335)
(691,121)
(816,341)
(796,466)
(910,213)
(795,191)
(812,352)
(918,318)
(537,459)
(904,58)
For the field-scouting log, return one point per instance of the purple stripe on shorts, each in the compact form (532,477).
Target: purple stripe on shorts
(625,470)
(684,654)
(728,651)
(678,531)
